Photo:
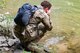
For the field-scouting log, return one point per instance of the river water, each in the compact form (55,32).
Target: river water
(66,15)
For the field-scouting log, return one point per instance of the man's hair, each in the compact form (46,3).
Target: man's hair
(46,4)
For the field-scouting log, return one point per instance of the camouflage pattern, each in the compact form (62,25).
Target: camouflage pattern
(36,28)
(36,48)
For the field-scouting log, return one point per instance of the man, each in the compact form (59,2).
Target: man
(34,30)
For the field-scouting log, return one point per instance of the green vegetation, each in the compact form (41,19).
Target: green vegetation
(65,17)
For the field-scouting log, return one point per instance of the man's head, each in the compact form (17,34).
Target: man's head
(46,6)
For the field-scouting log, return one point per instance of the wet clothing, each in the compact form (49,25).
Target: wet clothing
(38,25)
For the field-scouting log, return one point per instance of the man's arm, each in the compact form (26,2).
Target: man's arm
(47,22)
(45,19)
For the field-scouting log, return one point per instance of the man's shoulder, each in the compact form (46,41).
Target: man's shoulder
(40,13)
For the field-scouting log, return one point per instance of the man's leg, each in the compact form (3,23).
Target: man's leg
(18,32)
(35,48)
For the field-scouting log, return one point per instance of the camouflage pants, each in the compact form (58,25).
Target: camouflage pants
(18,30)
(36,48)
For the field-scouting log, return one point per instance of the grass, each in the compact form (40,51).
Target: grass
(65,15)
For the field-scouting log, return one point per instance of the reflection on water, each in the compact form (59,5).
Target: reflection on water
(66,15)
(66,18)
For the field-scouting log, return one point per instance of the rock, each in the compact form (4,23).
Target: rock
(53,41)
(7,42)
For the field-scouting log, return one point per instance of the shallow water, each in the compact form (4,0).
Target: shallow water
(53,41)
(66,15)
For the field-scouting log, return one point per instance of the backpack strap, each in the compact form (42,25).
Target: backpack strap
(34,8)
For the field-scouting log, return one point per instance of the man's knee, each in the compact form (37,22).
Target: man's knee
(35,48)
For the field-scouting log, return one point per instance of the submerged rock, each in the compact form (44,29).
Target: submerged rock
(53,41)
